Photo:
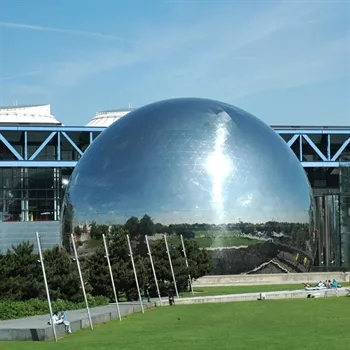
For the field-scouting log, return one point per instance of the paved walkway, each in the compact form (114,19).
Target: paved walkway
(294,294)
(40,322)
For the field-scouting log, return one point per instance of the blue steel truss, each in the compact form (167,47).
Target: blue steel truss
(44,146)
(62,146)
(318,147)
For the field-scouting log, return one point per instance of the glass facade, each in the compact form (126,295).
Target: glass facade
(202,166)
(344,181)
(327,222)
(32,194)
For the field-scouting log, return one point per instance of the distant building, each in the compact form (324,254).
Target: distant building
(106,118)
(27,115)
(30,194)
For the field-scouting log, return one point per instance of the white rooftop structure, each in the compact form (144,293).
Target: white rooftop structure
(35,115)
(106,118)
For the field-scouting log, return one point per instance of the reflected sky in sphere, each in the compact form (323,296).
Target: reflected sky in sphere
(187,161)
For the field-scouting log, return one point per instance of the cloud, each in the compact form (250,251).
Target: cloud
(327,61)
(19,76)
(72,73)
(287,41)
(31,90)
(89,34)
(281,45)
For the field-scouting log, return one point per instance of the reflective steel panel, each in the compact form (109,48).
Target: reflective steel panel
(218,169)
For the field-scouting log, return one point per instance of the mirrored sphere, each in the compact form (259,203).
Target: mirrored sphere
(208,170)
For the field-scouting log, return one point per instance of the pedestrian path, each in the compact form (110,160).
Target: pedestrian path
(36,327)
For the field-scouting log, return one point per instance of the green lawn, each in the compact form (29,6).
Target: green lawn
(223,239)
(205,239)
(310,324)
(210,242)
(208,233)
(209,291)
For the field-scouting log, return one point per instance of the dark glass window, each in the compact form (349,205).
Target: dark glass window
(32,194)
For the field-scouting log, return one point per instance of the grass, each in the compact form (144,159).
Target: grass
(209,291)
(205,239)
(92,243)
(211,242)
(203,242)
(310,324)
(216,239)
(209,233)
(225,290)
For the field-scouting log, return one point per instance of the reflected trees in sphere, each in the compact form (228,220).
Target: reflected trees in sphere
(204,169)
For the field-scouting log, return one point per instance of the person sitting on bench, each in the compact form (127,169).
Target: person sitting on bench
(335,284)
(60,318)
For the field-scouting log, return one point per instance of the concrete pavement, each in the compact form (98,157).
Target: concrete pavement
(278,278)
(36,327)
(295,294)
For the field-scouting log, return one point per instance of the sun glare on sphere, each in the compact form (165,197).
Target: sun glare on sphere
(219,166)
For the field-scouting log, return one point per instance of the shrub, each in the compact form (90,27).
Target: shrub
(10,309)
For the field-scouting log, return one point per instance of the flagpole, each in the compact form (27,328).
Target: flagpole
(171,265)
(46,286)
(82,281)
(135,273)
(111,274)
(188,268)
(153,270)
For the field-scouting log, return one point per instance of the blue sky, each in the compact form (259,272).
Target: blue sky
(287,62)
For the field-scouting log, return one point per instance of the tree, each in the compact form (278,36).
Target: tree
(93,229)
(78,231)
(96,231)
(187,234)
(138,229)
(199,260)
(20,267)
(62,275)
(146,226)
(22,272)
(99,277)
(132,226)
(84,229)
(162,266)
(159,228)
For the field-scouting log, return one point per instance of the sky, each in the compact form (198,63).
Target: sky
(287,62)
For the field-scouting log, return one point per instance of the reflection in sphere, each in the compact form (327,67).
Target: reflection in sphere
(221,171)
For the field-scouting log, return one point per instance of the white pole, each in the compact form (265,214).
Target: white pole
(188,268)
(46,286)
(153,270)
(171,265)
(135,273)
(81,281)
(112,279)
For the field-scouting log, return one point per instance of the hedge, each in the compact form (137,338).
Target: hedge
(10,309)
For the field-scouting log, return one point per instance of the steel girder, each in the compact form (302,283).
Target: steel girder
(318,148)
(44,146)
(62,146)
